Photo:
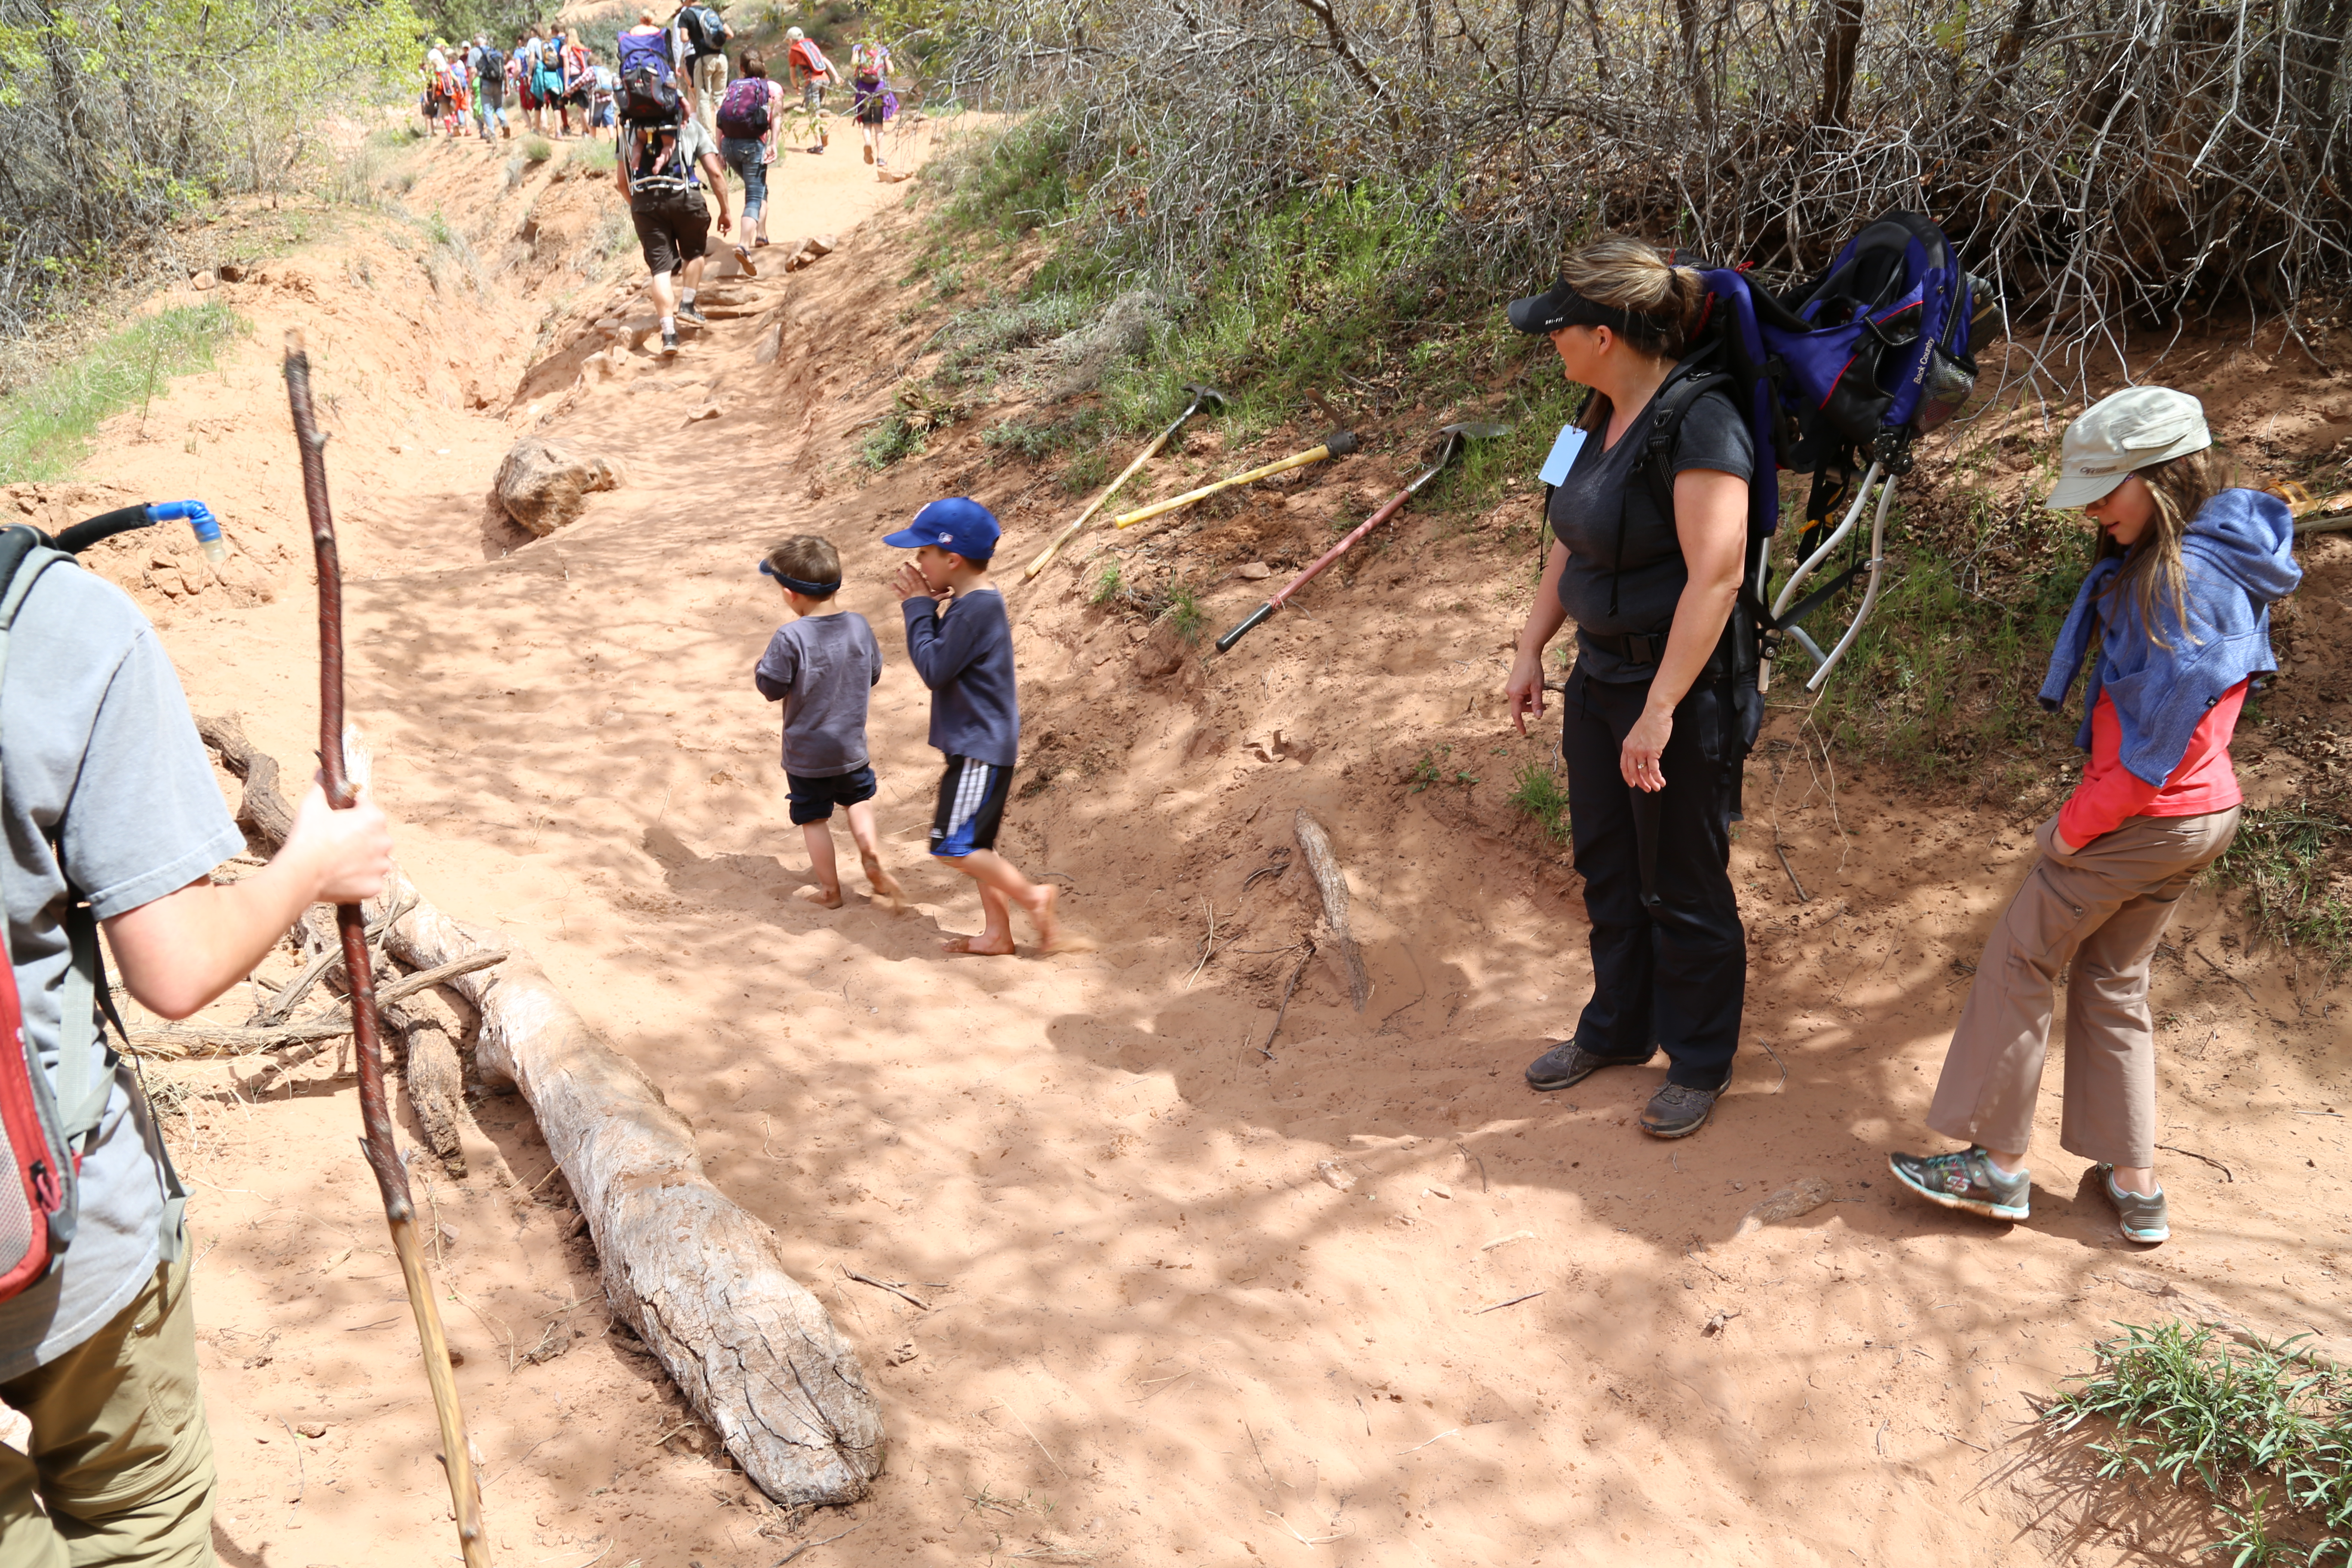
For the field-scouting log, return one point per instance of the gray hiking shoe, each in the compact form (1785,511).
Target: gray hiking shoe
(686,312)
(1967,1180)
(2140,1213)
(1677,1110)
(1568,1063)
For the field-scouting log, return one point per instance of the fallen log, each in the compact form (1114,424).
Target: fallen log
(263,812)
(1331,884)
(437,1085)
(702,1282)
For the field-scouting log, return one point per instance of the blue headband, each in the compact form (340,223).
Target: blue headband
(810,590)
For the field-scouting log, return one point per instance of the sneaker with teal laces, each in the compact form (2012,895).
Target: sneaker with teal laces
(2141,1215)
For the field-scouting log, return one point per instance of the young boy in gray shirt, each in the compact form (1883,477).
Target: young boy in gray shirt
(821,665)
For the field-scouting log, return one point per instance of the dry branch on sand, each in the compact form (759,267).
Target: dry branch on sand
(1331,883)
(701,1281)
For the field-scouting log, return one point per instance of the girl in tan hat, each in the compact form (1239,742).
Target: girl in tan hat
(2172,623)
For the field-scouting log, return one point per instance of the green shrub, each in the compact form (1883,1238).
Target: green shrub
(1106,586)
(1184,613)
(894,437)
(538,149)
(2285,861)
(2262,1431)
(1539,793)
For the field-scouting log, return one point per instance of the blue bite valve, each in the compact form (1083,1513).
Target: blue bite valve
(199,517)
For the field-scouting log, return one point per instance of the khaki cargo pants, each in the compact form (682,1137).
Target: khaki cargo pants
(2101,909)
(121,1456)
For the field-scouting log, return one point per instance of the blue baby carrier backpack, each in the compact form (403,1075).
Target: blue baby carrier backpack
(1872,354)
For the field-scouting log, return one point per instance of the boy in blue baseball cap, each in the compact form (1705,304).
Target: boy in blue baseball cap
(960,642)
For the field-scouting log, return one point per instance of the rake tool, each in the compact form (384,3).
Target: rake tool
(1337,444)
(1200,395)
(375,1120)
(1456,437)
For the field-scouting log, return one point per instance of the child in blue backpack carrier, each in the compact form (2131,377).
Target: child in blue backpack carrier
(1651,732)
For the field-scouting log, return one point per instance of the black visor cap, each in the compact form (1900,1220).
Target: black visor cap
(1561,306)
(1545,313)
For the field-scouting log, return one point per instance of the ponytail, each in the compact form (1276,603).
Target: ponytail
(1664,302)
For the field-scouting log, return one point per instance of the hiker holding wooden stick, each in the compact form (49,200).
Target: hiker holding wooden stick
(109,798)
(1651,732)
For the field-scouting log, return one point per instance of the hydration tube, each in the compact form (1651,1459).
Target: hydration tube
(200,518)
(122,520)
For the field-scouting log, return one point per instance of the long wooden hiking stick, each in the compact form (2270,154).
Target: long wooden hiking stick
(375,1142)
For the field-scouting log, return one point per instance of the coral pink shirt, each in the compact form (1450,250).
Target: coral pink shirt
(2109,792)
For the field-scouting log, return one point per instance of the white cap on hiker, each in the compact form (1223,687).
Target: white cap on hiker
(2132,429)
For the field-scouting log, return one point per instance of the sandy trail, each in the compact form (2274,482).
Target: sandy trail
(1370,1297)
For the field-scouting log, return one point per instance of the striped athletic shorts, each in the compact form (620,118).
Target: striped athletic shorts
(971,806)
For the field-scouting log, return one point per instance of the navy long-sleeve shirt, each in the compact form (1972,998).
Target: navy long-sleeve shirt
(965,657)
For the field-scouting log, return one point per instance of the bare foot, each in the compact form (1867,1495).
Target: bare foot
(823,897)
(1049,930)
(972,946)
(888,893)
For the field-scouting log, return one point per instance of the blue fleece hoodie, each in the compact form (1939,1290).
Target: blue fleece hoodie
(2238,556)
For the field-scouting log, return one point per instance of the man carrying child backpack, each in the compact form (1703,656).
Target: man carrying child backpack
(665,158)
(113,821)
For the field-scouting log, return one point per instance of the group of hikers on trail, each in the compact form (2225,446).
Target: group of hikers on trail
(549,78)
(681,126)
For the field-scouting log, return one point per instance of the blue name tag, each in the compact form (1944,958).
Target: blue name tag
(1563,455)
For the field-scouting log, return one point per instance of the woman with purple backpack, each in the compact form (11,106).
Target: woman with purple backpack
(871,103)
(747,115)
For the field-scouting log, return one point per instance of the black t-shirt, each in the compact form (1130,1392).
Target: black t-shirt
(1647,581)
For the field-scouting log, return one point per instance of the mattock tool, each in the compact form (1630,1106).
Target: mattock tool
(1456,437)
(1201,396)
(1337,444)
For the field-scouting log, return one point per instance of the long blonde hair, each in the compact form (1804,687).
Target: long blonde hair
(1630,275)
(2153,570)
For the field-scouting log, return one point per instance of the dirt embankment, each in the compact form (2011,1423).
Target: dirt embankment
(1183,1296)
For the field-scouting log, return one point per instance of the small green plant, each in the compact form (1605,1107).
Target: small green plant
(1426,770)
(896,437)
(596,157)
(1106,586)
(538,149)
(2245,1424)
(46,428)
(2283,859)
(1539,793)
(1085,472)
(1184,613)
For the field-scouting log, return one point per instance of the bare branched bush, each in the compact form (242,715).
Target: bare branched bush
(120,119)
(2108,163)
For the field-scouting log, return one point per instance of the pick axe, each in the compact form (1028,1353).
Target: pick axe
(1201,394)
(1337,444)
(1456,437)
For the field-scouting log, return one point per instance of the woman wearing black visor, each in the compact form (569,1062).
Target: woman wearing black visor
(1651,732)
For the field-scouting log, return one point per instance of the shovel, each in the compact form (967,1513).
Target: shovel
(1201,394)
(1456,437)
(1337,444)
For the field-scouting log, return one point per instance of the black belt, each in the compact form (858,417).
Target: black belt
(1633,647)
(1640,649)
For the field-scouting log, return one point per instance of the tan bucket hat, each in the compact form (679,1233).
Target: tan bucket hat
(2132,429)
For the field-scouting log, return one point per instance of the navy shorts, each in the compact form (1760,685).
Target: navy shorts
(971,806)
(813,800)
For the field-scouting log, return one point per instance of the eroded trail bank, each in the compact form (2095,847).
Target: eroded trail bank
(1177,1295)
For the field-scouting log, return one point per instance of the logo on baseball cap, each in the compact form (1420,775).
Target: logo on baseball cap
(2135,428)
(958,523)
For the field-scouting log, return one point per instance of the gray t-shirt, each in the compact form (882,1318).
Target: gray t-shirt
(96,749)
(1646,581)
(822,668)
